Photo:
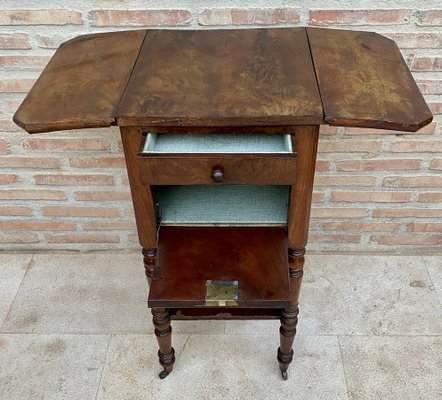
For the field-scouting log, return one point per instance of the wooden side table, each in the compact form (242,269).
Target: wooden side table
(220,132)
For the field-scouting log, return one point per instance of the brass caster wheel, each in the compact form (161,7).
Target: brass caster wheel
(163,374)
(284,375)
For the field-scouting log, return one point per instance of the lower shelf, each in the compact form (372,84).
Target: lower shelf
(224,313)
(253,257)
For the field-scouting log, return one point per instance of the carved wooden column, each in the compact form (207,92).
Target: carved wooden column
(163,332)
(306,143)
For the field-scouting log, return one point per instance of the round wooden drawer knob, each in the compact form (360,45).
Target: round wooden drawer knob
(217,175)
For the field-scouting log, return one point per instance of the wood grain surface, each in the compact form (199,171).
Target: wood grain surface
(82,84)
(188,256)
(223,77)
(365,82)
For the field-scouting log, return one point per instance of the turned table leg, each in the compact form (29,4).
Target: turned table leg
(163,332)
(306,143)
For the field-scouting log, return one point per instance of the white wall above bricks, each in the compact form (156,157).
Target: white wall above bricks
(374,190)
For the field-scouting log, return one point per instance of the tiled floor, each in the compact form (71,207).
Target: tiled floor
(75,326)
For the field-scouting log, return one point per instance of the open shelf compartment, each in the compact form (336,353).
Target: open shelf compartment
(188,257)
(231,205)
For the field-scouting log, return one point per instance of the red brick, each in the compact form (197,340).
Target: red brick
(349,146)
(124,180)
(15,210)
(8,126)
(74,211)
(87,180)
(417,40)
(103,196)
(113,225)
(426,130)
(328,130)
(82,238)
(8,178)
(416,146)
(408,213)
(419,227)
(412,181)
(64,144)
(14,41)
(24,62)
(426,64)
(334,238)
(379,165)
(429,18)
(430,197)
(35,225)
(16,85)
(51,42)
(436,163)
(344,180)
(322,165)
(372,197)
(435,108)
(430,86)
(19,238)
(29,162)
(3,145)
(133,238)
(407,240)
(140,17)
(362,226)
(359,17)
(97,162)
(31,194)
(40,17)
(248,16)
(340,212)
(318,197)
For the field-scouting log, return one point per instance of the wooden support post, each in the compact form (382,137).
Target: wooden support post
(306,143)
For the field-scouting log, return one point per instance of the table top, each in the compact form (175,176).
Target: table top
(225,78)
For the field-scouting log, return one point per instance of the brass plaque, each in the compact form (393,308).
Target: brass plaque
(221,293)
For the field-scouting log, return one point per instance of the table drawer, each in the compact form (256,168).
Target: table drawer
(192,159)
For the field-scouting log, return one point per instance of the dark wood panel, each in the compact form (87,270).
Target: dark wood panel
(232,77)
(365,82)
(224,313)
(191,169)
(82,85)
(142,199)
(189,256)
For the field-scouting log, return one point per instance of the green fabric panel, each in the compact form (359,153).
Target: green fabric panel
(217,143)
(224,204)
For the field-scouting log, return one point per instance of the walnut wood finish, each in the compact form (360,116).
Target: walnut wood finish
(189,256)
(188,169)
(306,142)
(141,195)
(163,333)
(222,78)
(82,85)
(364,81)
(224,313)
(149,258)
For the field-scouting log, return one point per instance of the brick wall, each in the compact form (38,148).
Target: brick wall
(375,190)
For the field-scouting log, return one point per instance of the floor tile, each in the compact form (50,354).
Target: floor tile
(81,293)
(434,267)
(393,368)
(223,367)
(12,270)
(51,366)
(368,295)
